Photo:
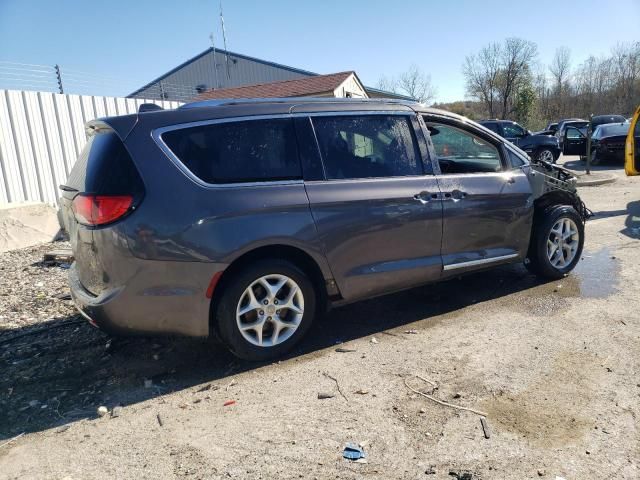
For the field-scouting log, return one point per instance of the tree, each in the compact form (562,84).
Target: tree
(481,72)
(496,73)
(413,82)
(560,68)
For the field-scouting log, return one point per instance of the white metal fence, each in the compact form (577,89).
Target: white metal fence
(41,136)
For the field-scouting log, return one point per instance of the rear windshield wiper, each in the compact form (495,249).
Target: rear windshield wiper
(67,188)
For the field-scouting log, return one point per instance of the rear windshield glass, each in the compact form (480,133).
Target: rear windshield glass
(246,151)
(614,130)
(105,167)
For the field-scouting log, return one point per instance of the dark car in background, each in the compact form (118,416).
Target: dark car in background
(244,219)
(541,147)
(550,129)
(607,142)
(603,119)
(573,133)
(561,133)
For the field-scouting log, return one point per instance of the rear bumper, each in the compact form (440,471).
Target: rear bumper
(145,307)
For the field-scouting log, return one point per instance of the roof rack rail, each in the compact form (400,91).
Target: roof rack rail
(240,101)
(149,107)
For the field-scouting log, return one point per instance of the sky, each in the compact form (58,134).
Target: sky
(115,46)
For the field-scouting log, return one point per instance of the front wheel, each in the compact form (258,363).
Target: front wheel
(556,242)
(545,155)
(265,310)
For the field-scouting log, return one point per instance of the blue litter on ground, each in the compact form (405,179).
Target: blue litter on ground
(353,452)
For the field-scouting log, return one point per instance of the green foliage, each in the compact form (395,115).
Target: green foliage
(525,101)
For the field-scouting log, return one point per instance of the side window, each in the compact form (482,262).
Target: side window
(516,160)
(574,133)
(493,127)
(248,151)
(459,151)
(512,130)
(367,146)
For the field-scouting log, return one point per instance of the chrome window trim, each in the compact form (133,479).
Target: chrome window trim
(157,133)
(482,261)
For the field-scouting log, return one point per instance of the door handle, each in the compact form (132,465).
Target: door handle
(454,195)
(425,197)
(511,179)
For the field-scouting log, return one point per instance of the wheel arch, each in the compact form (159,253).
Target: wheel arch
(552,199)
(297,256)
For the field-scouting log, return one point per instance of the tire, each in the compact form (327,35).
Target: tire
(546,155)
(538,257)
(594,158)
(292,325)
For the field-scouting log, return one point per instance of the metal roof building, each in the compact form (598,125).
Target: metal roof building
(223,69)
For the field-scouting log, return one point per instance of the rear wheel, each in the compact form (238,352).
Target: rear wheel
(556,242)
(265,310)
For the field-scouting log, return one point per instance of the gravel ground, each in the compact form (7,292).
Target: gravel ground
(30,291)
(554,366)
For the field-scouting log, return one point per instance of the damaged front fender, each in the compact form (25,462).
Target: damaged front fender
(554,185)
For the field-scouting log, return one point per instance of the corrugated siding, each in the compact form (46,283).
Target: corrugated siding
(181,83)
(42,134)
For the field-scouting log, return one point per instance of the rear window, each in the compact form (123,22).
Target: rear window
(105,167)
(245,151)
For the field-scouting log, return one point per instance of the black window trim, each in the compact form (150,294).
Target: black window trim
(157,133)
(410,115)
(470,128)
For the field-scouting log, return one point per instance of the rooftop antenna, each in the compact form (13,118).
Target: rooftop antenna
(215,64)
(224,40)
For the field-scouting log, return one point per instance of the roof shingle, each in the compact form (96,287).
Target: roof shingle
(289,88)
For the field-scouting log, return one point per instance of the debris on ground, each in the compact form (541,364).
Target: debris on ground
(228,403)
(58,257)
(440,402)
(159,418)
(116,412)
(345,350)
(461,475)
(411,332)
(353,452)
(324,396)
(337,385)
(361,392)
(374,340)
(102,410)
(485,427)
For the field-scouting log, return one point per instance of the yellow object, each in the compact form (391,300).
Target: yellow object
(632,146)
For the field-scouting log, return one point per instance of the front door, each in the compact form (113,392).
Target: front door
(632,146)
(376,209)
(575,141)
(487,204)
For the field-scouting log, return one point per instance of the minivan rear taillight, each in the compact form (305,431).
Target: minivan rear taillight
(94,210)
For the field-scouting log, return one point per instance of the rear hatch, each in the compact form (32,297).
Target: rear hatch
(103,189)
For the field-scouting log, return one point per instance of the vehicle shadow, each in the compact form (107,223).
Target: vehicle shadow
(57,373)
(632,222)
(578,165)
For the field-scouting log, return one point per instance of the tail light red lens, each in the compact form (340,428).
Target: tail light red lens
(96,210)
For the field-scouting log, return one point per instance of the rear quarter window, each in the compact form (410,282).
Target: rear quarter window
(105,167)
(236,152)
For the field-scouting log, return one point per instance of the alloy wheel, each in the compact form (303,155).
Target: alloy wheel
(562,242)
(270,310)
(546,156)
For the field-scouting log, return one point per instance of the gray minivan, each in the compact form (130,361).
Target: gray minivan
(244,219)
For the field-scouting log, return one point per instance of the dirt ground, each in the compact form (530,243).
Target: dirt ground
(555,367)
